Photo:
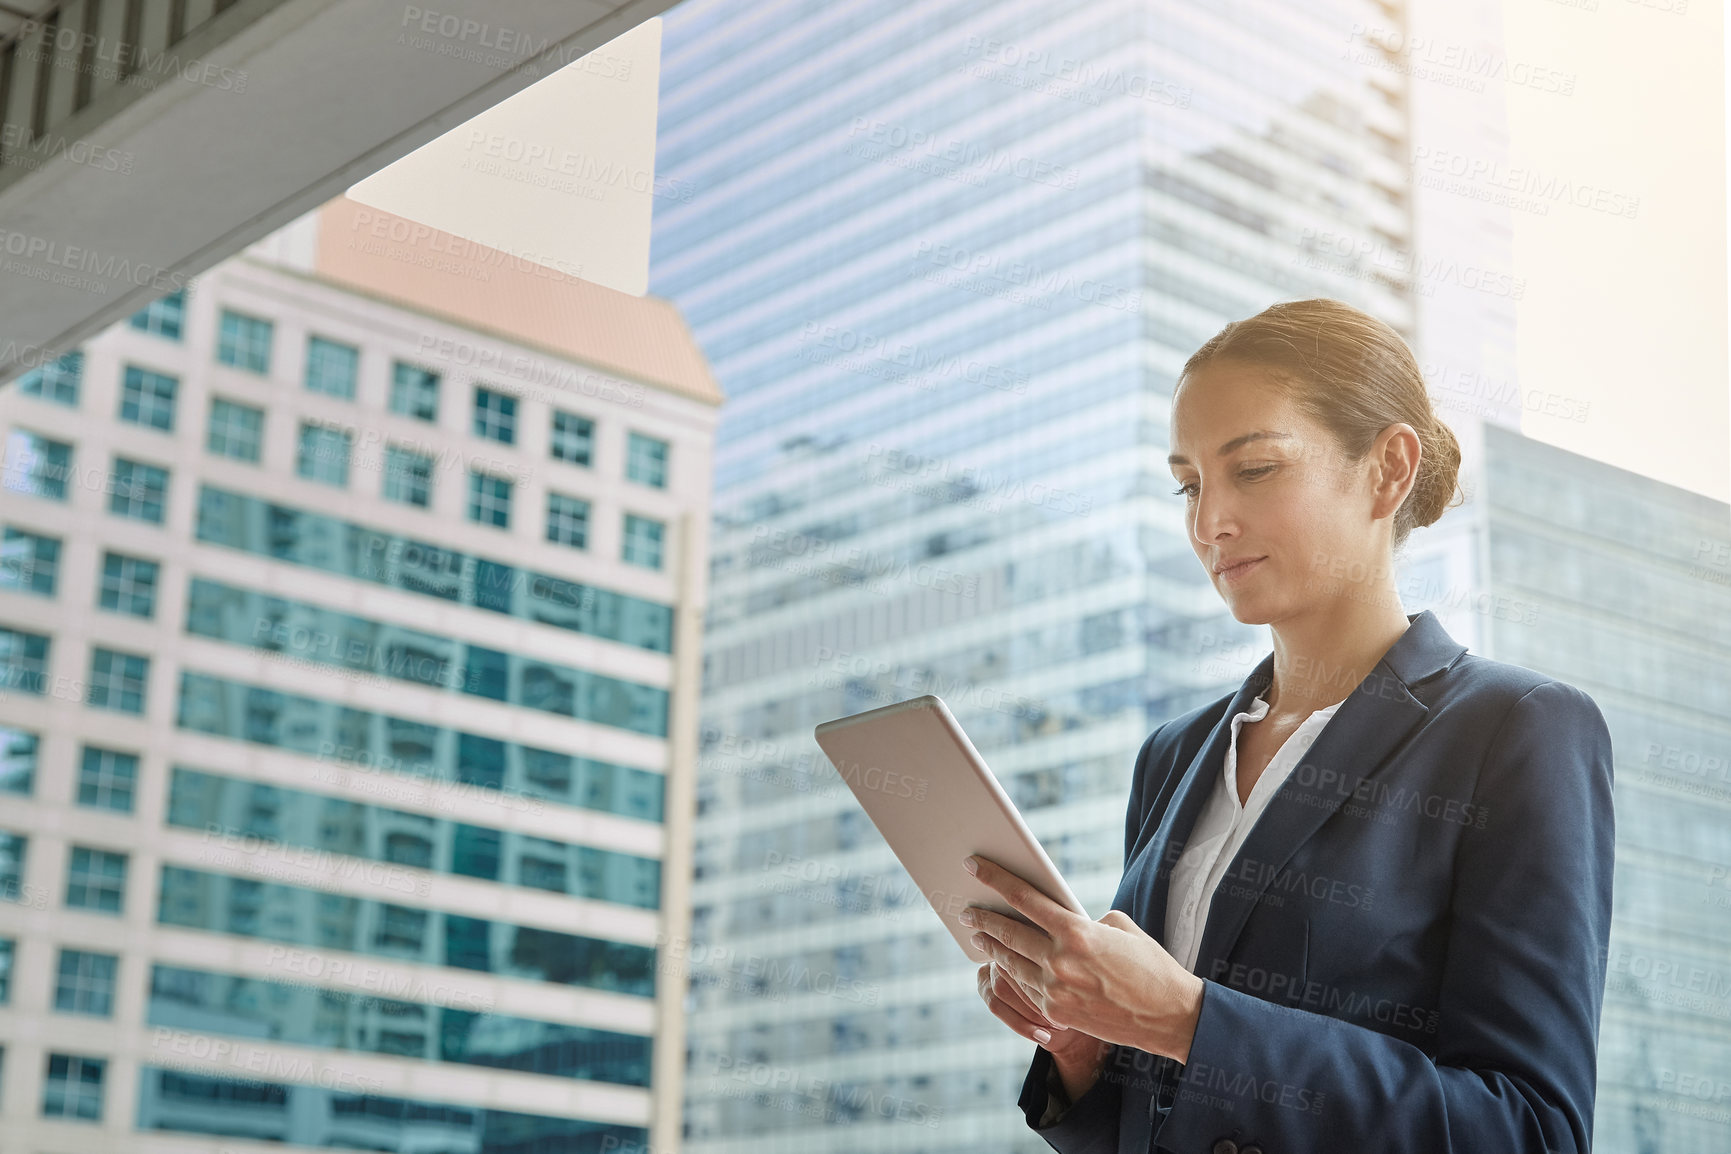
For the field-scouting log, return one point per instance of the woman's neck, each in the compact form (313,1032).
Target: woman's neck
(1323,656)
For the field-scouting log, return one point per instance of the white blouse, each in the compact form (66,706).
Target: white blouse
(1221,828)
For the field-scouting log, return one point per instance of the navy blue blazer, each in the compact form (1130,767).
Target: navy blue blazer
(1407,954)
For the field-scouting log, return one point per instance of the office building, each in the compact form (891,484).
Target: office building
(349,620)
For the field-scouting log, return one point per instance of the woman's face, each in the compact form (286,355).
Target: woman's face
(1278,516)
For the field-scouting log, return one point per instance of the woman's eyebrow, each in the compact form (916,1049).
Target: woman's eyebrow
(1241,439)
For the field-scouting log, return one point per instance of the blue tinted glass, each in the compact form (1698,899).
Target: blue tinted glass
(328,637)
(337,733)
(336,546)
(305,918)
(229,810)
(355,1119)
(301,1015)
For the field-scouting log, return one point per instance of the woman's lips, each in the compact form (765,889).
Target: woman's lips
(1237,572)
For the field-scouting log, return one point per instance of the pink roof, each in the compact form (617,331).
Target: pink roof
(641,339)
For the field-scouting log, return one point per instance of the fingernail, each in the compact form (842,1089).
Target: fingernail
(966,917)
(1042,1037)
(971,865)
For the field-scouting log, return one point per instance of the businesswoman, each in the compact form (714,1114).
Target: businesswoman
(1367,896)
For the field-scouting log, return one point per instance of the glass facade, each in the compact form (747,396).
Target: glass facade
(23,660)
(316,1116)
(1628,584)
(338,733)
(324,454)
(325,636)
(320,542)
(250,1007)
(235,812)
(946,259)
(314,919)
(408,476)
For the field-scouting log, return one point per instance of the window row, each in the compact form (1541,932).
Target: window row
(303,1114)
(332,368)
(42,467)
(96,882)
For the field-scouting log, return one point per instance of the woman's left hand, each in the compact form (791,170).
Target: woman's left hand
(1107,978)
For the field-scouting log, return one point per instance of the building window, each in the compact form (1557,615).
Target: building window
(36,465)
(164,316)
(567,520)
(408,476)
(23,661)
(642,541)
(56,381)
(414,391)
(489,500)
(573,438)
(332,367)
(244,342)
(128,585)
(12,847)
(29,562)
(646,460)
(235,430)
(85,984)
(117,681)
(106,778)
(495,415)
(96,880)
(137,490)
(18,750)
(74,1088)
(147,398)
(324,454)
(8,947)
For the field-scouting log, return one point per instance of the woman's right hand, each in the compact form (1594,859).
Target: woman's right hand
(1004,998)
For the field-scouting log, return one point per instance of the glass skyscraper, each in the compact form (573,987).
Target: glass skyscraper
(946,258)
(1624,585)
(348,662)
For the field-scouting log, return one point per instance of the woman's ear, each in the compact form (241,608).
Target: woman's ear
(1394,460)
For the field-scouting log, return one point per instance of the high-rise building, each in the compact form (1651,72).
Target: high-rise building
(947,258)
(349,627)
(1622,585)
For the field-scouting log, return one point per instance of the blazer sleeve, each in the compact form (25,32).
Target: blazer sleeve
(1090,1124)
(1522,985)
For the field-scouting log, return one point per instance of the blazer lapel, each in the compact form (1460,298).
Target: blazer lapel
(1374,719)
(1186,802)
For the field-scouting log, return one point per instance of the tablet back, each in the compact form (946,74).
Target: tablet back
(930,794)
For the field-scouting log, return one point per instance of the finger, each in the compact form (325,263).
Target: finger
(1012,992)
(1012,1018)
(1040,909)
(1008,960)
(1029,941)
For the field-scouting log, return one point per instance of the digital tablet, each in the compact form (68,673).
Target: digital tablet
(930,794)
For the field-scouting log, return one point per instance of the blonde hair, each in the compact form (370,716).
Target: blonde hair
(1355,376)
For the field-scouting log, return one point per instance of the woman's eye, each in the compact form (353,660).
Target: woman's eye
(1256,472)
(1181,491)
